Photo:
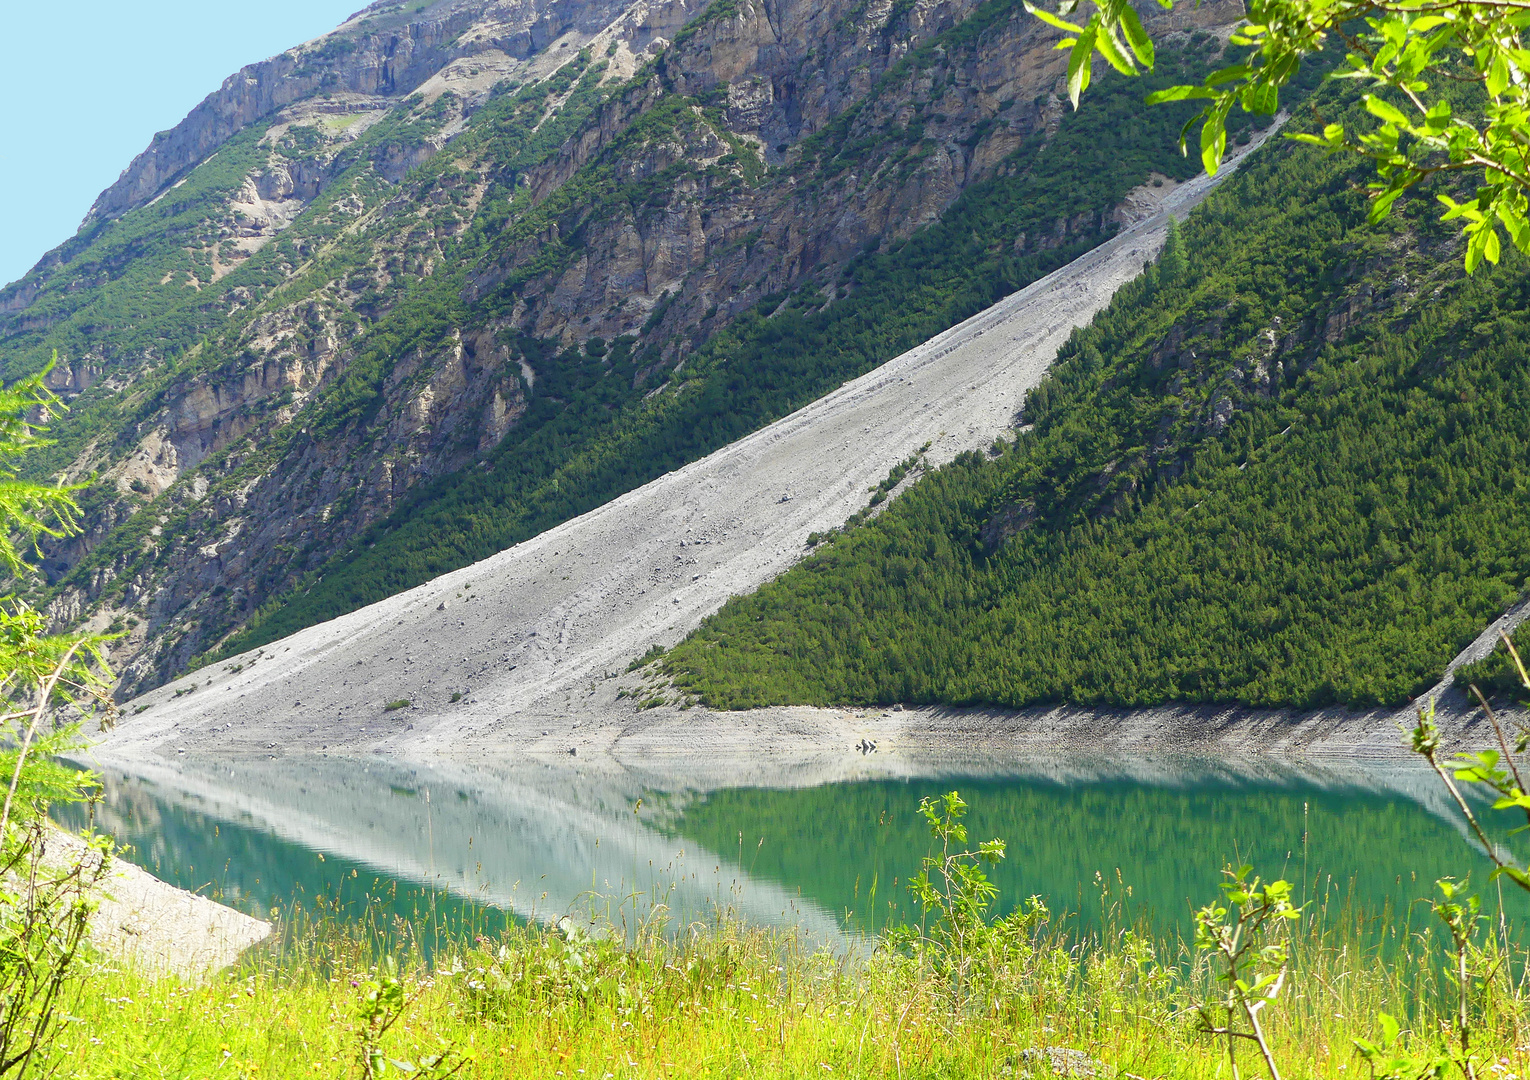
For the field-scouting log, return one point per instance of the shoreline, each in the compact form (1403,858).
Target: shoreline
(603,727)
(155,927)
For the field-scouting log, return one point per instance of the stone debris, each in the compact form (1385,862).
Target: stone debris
(159,929)
(1055,1061)
(600,612)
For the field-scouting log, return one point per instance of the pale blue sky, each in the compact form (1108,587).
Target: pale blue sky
(85,84)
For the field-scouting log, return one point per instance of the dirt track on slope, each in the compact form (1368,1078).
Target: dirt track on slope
(527,638)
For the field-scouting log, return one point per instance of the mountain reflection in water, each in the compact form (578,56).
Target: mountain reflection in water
(824,845)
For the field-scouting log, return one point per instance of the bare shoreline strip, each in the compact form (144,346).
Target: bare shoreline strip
(153,927)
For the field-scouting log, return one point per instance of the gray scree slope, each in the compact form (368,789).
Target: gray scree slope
(528,635)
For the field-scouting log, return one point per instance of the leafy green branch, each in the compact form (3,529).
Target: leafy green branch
(29,510)
(960,894)
(1403,47)
(383,1001)
(1242,932)
(45,901)
(1499,772)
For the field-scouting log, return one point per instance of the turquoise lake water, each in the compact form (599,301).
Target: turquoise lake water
(465,846)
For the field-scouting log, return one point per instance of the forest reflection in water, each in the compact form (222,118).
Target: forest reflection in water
(825,845)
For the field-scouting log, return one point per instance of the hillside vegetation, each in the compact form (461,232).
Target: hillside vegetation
(1288,466)
(398,324)
(596,431)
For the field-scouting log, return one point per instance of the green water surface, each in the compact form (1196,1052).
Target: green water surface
(1102,849)
(1152,853)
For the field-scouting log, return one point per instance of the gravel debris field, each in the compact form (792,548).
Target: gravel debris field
(533,643)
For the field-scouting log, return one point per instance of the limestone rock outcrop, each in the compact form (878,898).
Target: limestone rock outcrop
(251,385)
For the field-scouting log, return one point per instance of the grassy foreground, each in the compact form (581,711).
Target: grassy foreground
(727,1000)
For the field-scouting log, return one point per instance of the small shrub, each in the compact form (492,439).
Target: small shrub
(655,652)
(395,706)
(383,1004)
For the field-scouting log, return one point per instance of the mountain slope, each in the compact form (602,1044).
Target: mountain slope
(521,650)
(1288,469)
(461,271)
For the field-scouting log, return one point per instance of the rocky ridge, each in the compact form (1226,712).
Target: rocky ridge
(564,174)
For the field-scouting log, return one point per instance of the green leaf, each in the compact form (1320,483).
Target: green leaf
(1137,37)
(1078,65)
(1438,116)
(1474,252)
(1382,205)
(1261,98)
(1521,237)
(1213,142)
(1497,77)
(1384,110)
(1279,72)
(1420,53)
(1515,875)
(1052,20)
(1180,93)
(1229,74)
(1454,209)
(1111,50)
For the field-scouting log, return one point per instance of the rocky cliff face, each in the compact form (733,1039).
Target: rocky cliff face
(359,266)
(387,50)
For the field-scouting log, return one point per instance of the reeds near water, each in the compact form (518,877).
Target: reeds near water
(622,991)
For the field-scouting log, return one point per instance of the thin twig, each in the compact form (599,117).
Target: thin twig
(1503,744)
(45,695)
(1430,756)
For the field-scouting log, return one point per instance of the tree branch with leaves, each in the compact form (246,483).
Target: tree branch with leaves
(47,682)
(1414,56)
(1245,934)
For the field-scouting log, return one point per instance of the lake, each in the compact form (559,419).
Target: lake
(825,845)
